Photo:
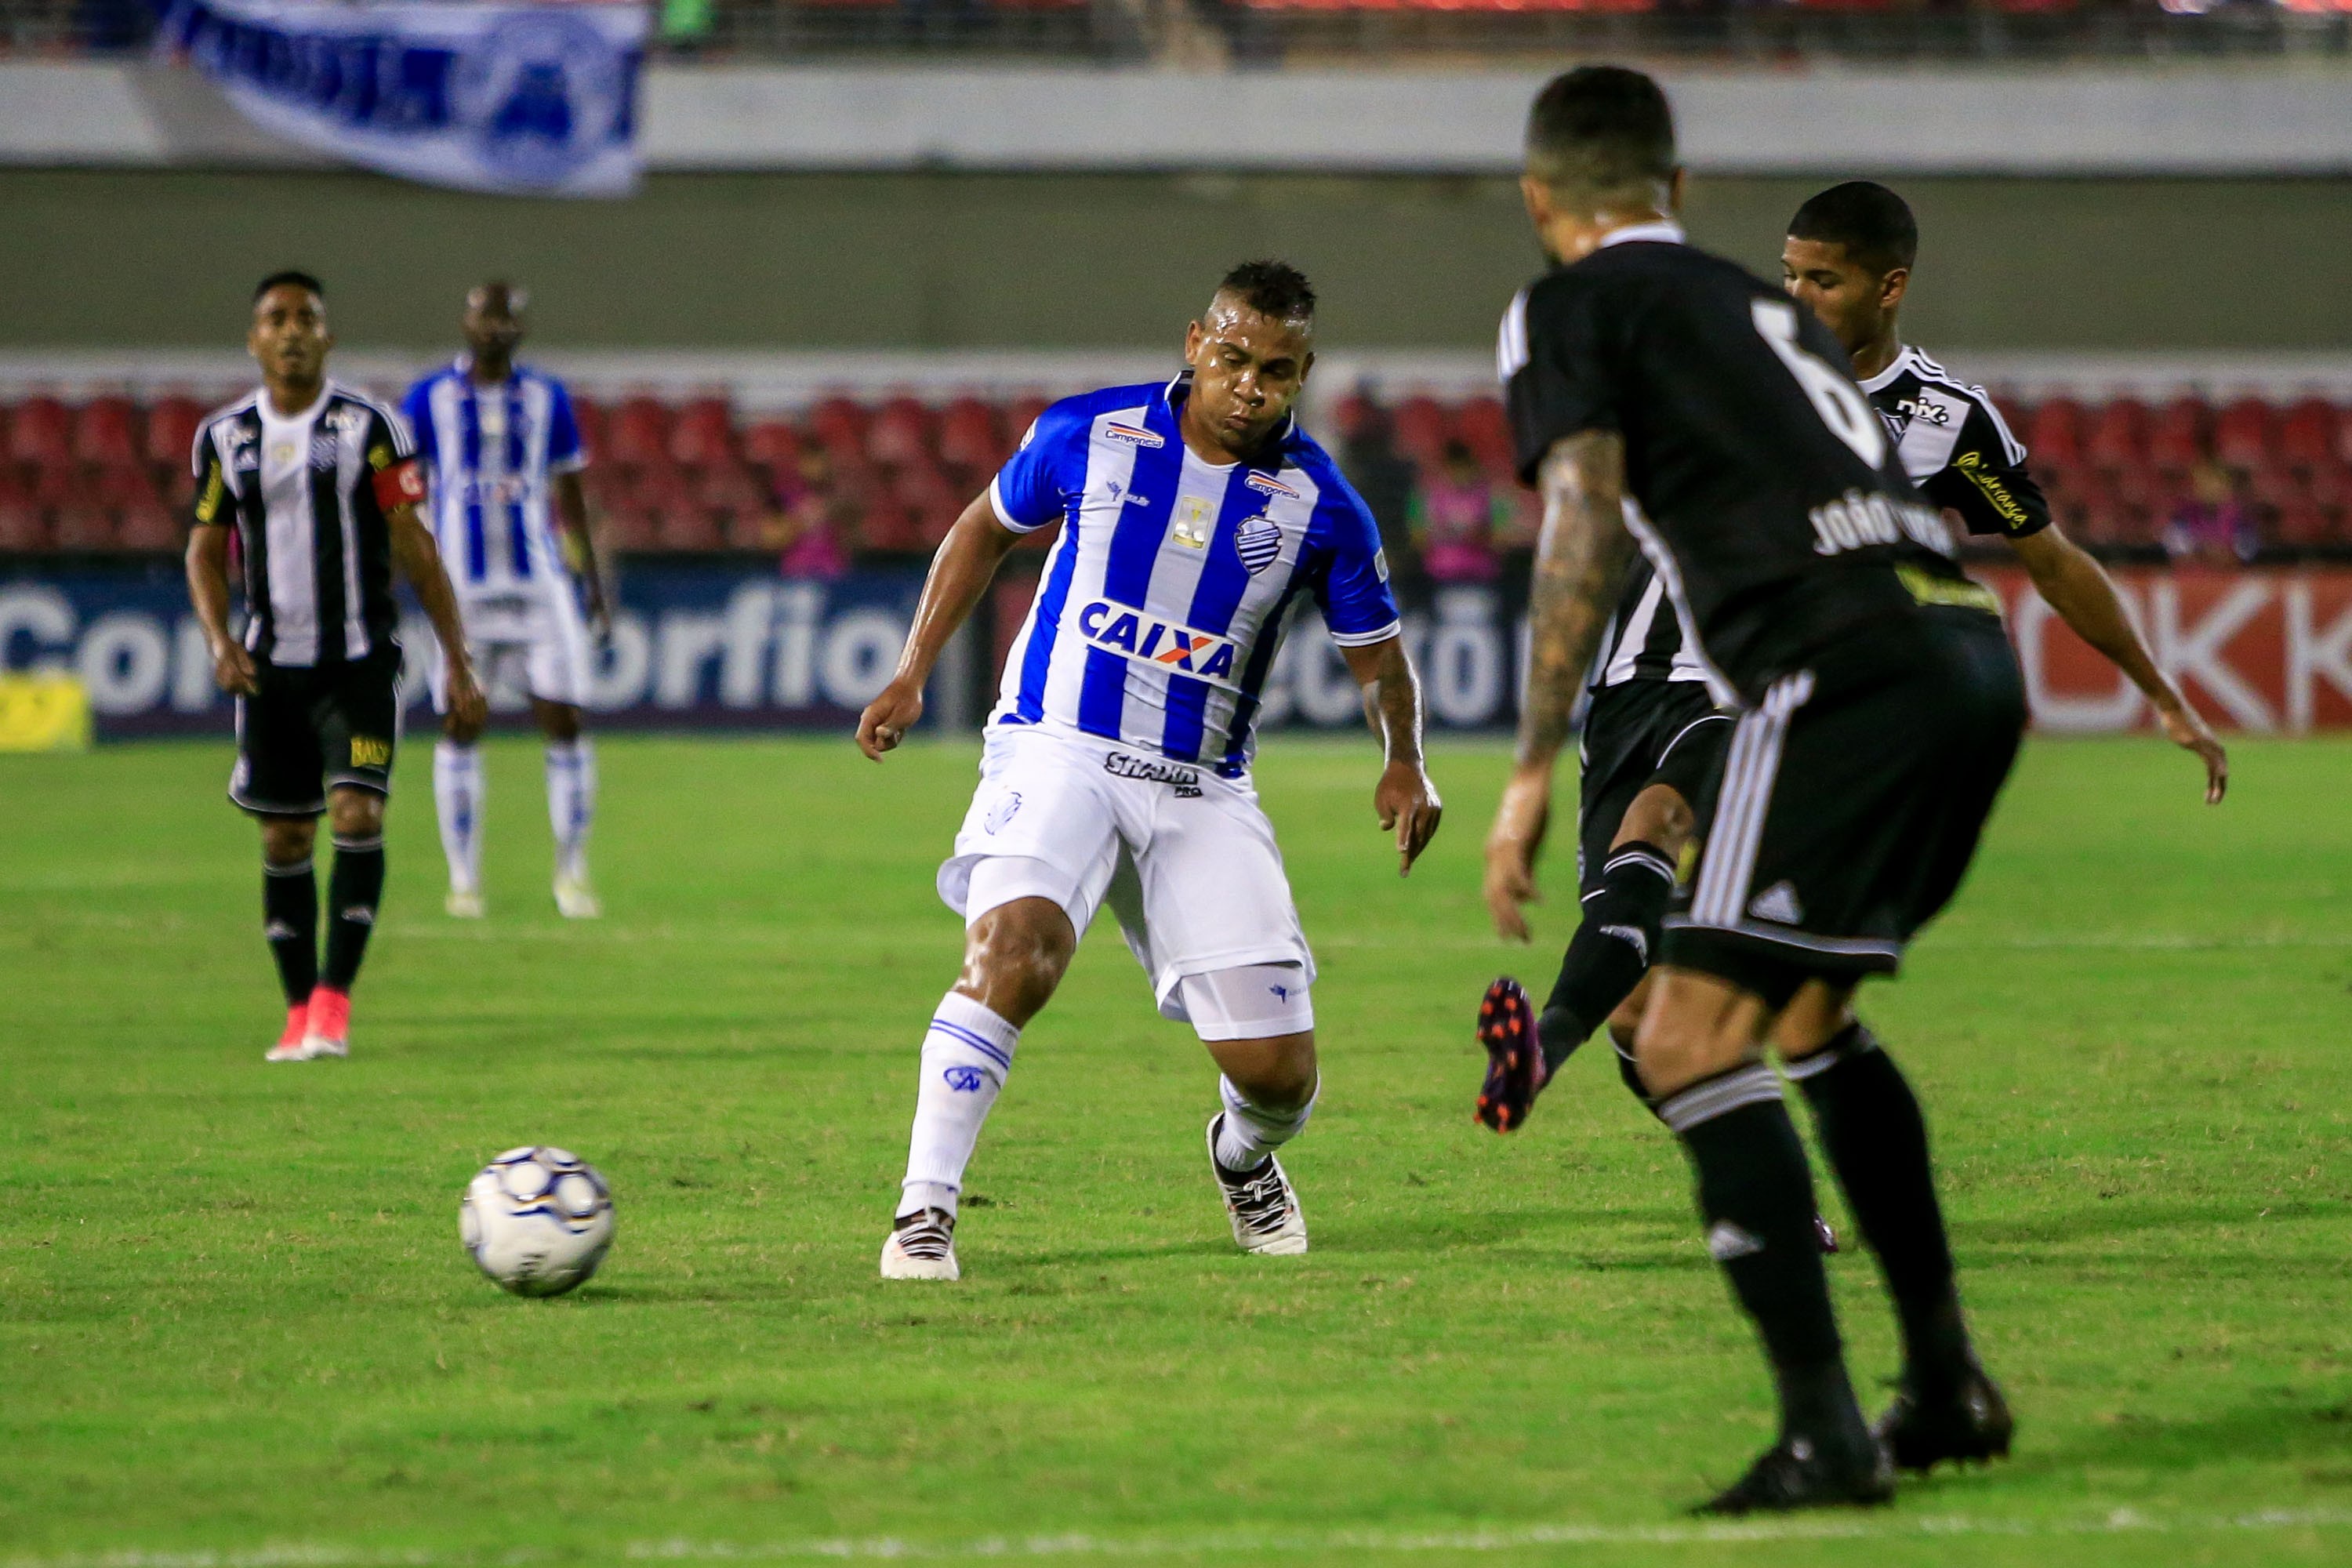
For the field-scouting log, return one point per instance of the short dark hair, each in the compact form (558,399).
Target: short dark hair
(1872,223)
(279,279)
(1275,289)
(1602,130)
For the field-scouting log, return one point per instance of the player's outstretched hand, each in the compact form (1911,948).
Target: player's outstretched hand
(888,717)
(1408,805)
(2183,728)
(469,710)
(1511,848)
(233,668)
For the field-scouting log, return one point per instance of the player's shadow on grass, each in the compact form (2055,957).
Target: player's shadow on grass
(2315,1431)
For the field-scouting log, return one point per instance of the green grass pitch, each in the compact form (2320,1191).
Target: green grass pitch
(236,1327)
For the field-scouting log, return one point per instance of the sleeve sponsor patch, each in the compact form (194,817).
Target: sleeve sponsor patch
(403,484)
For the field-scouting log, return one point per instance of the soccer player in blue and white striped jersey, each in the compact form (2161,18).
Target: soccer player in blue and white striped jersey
(503,454)
(1197,518)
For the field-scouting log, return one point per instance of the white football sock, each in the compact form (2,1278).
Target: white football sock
(966,1055)
(458,788)
(1251,1132)
(571,802)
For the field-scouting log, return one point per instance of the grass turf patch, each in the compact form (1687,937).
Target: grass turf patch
(233,1314)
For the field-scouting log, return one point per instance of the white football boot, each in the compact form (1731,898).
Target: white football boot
(465,904)
(574,901)
(1262,1204)
(922,1246)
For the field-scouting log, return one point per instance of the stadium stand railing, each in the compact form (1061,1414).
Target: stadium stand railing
(108,474)
(1257,31)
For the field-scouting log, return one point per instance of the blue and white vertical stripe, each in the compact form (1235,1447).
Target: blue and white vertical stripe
(490,454)
(1167,597)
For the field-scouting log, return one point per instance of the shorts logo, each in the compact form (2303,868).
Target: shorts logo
(1114,629)
(1002,812)
(1185,781)
(1281,994)
(1130,436)
(1259,542)
(368,752)
(1267,484)
(359,914)
(964,1080)
(1778,903)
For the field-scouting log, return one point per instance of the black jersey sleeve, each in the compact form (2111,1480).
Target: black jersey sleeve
(211,507)
(1554,362)
(1985,480)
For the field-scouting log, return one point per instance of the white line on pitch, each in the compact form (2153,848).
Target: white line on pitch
(2120,1521)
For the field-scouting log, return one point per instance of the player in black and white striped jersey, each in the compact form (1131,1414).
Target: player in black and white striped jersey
(320,483)
(1848,258)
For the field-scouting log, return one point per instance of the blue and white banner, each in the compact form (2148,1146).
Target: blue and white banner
(532,100)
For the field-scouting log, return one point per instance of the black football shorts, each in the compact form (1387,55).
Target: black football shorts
(1850,803)
(307,731)
(1638,733)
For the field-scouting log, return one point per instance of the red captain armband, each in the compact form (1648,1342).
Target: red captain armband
(403,484)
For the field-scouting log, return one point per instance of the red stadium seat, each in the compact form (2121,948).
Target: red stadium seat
(2310,432)
(40,431)
(704,433)
(2054,431)
(969,435)
(171,433)
(628,528)
(589,414)
(900,433)
(83,526)
(838,423)
(2300,523)
(121,486)
(889,528)
(1421,427)
(22,525)
(730,488)
(639,432)
(2177,434)
(1483,426)
(776,443)
(103,432)
(2245,434)
(151,526)
(2118,434)
(1021,413)
(60,483)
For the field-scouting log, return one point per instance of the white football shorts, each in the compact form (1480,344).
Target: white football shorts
(1186,859)
(527,645)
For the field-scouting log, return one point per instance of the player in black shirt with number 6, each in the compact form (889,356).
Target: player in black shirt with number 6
(1661,392)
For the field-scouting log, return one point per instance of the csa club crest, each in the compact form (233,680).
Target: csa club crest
(1259,542)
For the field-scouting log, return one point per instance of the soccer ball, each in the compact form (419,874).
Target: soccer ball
(538,1220)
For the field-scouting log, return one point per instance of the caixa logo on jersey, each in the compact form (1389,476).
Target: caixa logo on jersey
(1130,634)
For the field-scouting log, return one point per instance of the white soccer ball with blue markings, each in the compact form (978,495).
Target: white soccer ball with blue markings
(537,1220)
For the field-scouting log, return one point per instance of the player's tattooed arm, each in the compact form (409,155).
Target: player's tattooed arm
(1405,800)
(2075,585)
(208,592)
(966,564)
(1581,558)
(419,560)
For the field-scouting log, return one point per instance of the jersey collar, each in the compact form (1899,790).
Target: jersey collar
(268,410)
(1895,367)
(1277,440)
(1664,231)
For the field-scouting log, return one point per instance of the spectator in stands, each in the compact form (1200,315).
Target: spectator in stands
(2212,524)
(802,525)
(1456,518)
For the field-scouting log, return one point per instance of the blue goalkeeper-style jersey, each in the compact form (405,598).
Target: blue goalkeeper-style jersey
(1168,594)
(489,454)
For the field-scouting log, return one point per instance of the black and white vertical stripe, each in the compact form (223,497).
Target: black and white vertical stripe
(1748,773)
(300,491)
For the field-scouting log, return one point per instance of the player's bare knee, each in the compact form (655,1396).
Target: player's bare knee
(287,840)
(1277,1074)
(355,813)
(1658,816)
(1014,957)
(1696,1025)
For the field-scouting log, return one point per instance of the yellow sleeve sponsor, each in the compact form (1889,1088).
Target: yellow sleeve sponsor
(208,500)
(1930,589)
(379,457)
(2005,506)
